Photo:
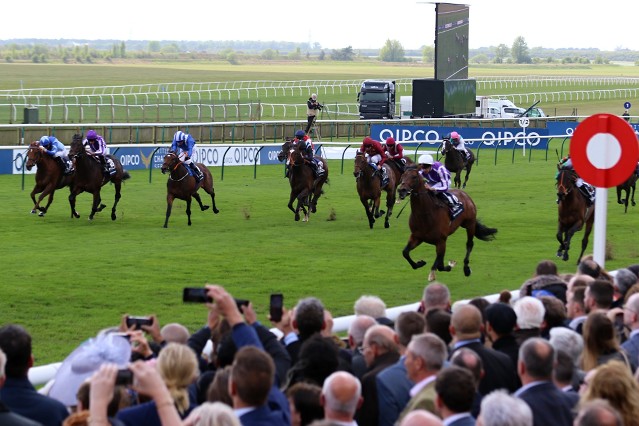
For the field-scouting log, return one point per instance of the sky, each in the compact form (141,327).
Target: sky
(334,24)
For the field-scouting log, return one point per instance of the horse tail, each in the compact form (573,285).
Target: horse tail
(125,175)
(483,232)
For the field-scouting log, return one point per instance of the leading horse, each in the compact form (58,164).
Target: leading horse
(90,178)
(184,186)
(369,188)
(49,177)
(574,213)
(628,186)
(455,162)
(305,188)
(430,222)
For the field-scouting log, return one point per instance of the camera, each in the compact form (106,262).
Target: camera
(276,307)
(319,106)
(199,295)
(124,377)
(138,322)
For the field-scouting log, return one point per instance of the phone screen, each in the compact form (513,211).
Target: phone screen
(276,306)
(195,295)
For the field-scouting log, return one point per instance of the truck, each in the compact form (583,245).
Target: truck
(487,107)
(376,99)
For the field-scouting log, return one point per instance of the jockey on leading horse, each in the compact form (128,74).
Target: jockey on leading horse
(587,190)
(437,179)
(97,149)
(305,145)
(56,149)
(459,145)
(183,145)
(376,155)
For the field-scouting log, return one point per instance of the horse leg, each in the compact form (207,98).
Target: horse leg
(302,203)
(290,206)
(412,243)
(632,198)
(188,209)
(619,200)
(470,234)
(43,210)
(627,199)
(584,241)
(378,212)
(458,179)
(390,202)
(72,197)
(466,177)
(211,192)
(562,247)
(118,195)
(199,201)
(369,213)
(169,205)
(95,207)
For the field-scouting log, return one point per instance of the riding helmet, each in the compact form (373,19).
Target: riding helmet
(454,135)
(425,159)
(390,141)
(180,136)
(92,135)
(300,134)
(45,141)
(368,140)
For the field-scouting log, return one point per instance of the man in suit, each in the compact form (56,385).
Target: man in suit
(468,359)
(500,324)
(7,418)
(500,409)
(380,351)
(436,296)
(466,328)
(307,318)
(356,331)
(548,403)
(18,394)
(425,356)
(631,320)
(575,308)
(393,385)
(455,388)
(341,397)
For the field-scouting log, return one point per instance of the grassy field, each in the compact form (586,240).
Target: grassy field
(65,279)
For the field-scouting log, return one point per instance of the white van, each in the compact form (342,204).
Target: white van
(487,107)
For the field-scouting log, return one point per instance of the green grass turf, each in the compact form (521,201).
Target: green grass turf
(65,279)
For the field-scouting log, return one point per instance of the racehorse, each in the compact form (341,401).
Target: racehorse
(574,213)
(629,187)
(304,187)
(49,177)
(455,162)
(430,222)
(183,186)
(90,178)
(369,188)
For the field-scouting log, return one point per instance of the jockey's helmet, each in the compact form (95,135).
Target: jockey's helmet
(390,141)
(454,135)
(300,134)
(92,135)
(425,159)
(45,141)
(179,136)
(368,141)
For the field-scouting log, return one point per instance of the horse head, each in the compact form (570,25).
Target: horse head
(411,182)
(295,156)
(565,182)
(171,160)
(76,148)
(34,153)
(446,146)
(360,164)
(283,154)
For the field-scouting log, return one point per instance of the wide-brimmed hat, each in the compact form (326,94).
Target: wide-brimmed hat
(84,361)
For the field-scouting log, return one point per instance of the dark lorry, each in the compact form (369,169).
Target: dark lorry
(376,99)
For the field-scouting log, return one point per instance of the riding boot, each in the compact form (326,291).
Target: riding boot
(105,165)
(199,176)
(588,193)
(62,164)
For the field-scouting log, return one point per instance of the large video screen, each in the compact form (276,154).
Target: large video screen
(451,41)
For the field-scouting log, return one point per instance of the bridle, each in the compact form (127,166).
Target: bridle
(175,167)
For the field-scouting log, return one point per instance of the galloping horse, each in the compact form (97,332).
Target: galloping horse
(369,188)
(49,177)
(629,187)
(89,178)
(573,213)
(304,187)
(183,186)
(430,223)
(455,162)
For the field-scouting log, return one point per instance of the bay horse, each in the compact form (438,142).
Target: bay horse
(574,213)
(369,188)
(90,178)
(49,177)
(455,162)
(629,187)
(430,222)
(184,186)
(304,187)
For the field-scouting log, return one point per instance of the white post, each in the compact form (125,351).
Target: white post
(524,122)
(601,211)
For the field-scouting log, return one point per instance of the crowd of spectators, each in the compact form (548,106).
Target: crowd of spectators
(565,352)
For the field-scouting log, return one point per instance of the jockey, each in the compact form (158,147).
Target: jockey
(307,149)
(375,155)
(586,189)
(458,143)
(96,146)
(395,151)
(437,179)
(183,145)
(54,148)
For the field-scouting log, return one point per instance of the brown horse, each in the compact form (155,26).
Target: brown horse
(49,177)
(369,188)
(90,178)
(455,162)
(304,187)
(183,186)
(574,213)
(430,222)
(629,187)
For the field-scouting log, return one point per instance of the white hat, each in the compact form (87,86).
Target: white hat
(314,96)
(425,159)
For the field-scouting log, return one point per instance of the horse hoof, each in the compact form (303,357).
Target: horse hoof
(619,202)
(419,264)
(33,211)
(386,225)
(205,208)
(216,211)
(431,276)
(633,203)
(467,271)
(565,257)
(166,226)
(41,214)
(113,216)
(297,218)
(452,263)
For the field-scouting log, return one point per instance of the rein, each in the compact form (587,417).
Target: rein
(174,169)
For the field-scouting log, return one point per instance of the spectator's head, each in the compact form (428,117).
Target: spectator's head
(379,340)
(175,333)
(314,96)
(218,390)
(546,267)
(455,388)
(469,359)
(309,317)
(407,325)
(579,281)
(357,329)
(599,295)
(178,367)
(318,358)
(438,322)
(589,267)
(370,305)
(436,295)
(599,338)
(425,356)
(500,320)
(304,403)
(481,304)
(15,342)
(624,279)
(421,418)
(631,312)
(214,414)
(598,412)
(536,358)
(567,340)
(251,378)
(613,382)
(466,323)
(341,396)
(530,313)
(498,408)
(555,312)
(575,306)
(564,369)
